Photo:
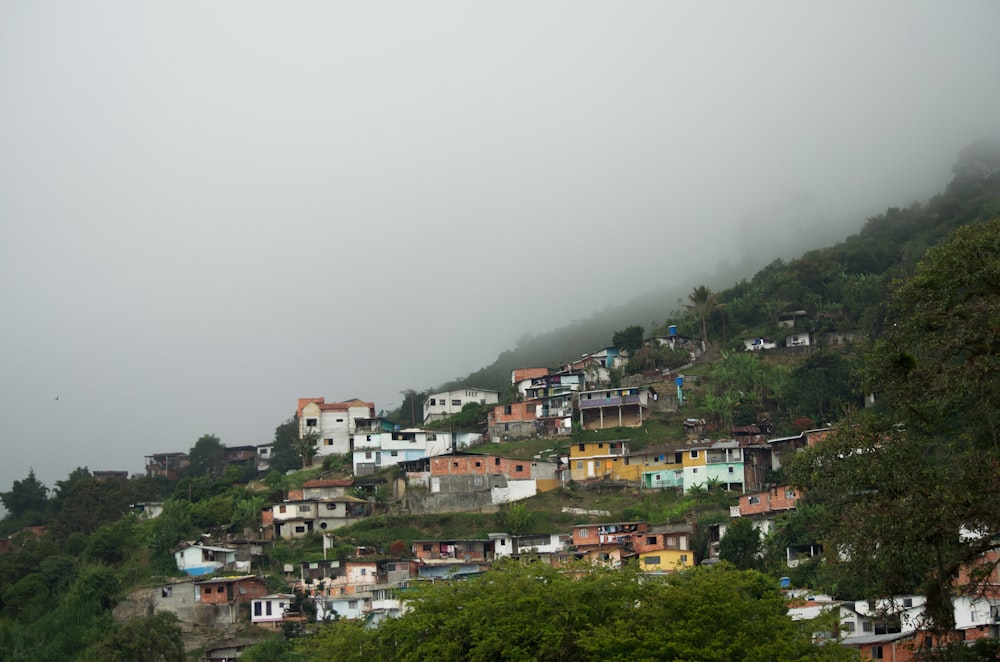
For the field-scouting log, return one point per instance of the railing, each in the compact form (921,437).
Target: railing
(609,402)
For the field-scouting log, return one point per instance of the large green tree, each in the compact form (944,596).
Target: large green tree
(912,488)
(628,339)
(26,497)
(207,457)
(284,451)
(532,611)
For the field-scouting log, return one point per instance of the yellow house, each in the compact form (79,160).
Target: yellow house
(596,459)
(652,459)
(665,560)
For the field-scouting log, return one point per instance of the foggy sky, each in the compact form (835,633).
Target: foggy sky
(210,209)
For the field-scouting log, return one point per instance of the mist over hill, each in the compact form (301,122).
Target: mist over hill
(843,283)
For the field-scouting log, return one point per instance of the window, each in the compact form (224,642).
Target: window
(331,506)
(754,500)
(506,427)
(352,604)
(600,444)
(257,608)
(456,403)
(433,402)
(684,558)
(166,591)
(394,453)
(369,438)
(849,626)
(206,589)
(454,464)
(651,560)
(267,606)
(364,571)
(732,470)
(695,470)
(300,529)
(506,410)
(867,626)
(530,408)
(479,464)
(282,509)
(876,652)
(519,467)
(340,420)
(908,602)
(431,436)
(650,540)
(496,461)
(671,541)
(310,422)
(368,455)
(579,464)
(582,447)
(584,533)
(305,509)
(427,547)
(789,492)
(328,442)
(694,454)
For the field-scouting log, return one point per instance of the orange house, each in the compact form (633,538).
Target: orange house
(222,590)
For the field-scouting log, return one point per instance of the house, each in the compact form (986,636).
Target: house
(617,407)
(333,423)
(665,548)
(836,338)
(617,534)
(437,552)
(374,451)
(229,649)
(720,462)
(765,506)
(166,465)
(196,559)
(517,420)
(556,395)
(521,378)
(219,590)
(758,343)
(505,544)
(264,453)
(597,366)
(271,610)
(347,577)
(241,456)
(148,509)
(448,403)
(297,518)
(595,459)
(799,339)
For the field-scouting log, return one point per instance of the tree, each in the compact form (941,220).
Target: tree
(912,488)
(27,497)
(628,339)
(307,447)
(821,386)
(702,302)
(284,451)
(532,611)
(156,638)
(207,457)
(741,545)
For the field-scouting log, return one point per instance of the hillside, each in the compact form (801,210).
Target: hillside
(71,554)
(841,286)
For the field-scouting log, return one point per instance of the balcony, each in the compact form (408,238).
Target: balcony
(595,403)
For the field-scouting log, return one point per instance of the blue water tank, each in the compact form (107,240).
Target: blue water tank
(679,380)
(672,330)
(786,582)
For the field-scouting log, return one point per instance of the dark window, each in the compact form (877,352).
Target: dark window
(519,467)
(876,652)
(506,409)
(310,422)
(496,461)
(268,607)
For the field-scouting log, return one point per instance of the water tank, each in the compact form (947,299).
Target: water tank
(672,330)
(786,582)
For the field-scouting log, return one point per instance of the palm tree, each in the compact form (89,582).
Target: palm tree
(702,303)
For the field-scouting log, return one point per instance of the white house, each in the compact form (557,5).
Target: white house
(269,610)
(374,451)
(757,344)
(448,403)
(297,518)
(333,423)
(800,339)
(204,559)
(505,544)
